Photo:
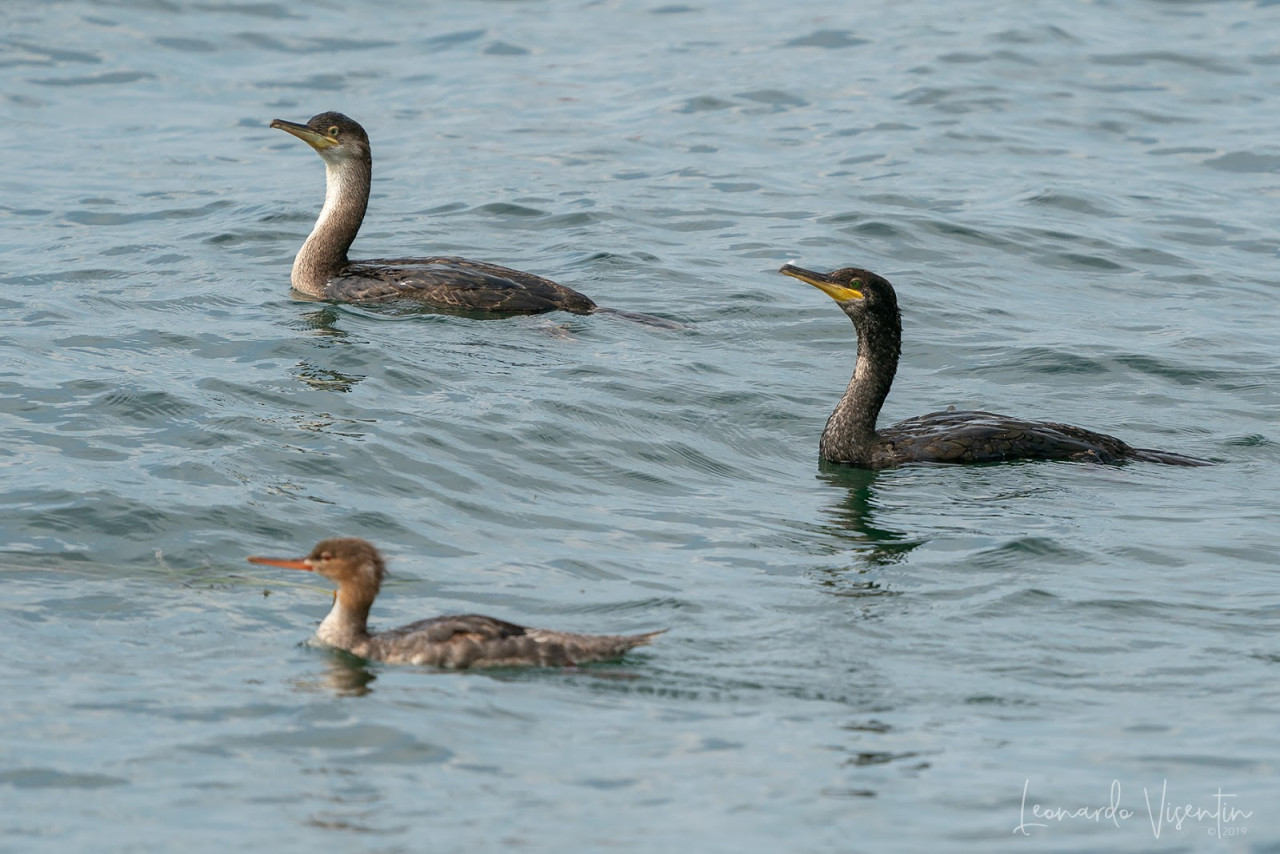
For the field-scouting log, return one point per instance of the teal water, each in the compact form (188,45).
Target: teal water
(1077,204)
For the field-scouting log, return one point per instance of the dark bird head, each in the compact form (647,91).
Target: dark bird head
(858,292)
(335,137)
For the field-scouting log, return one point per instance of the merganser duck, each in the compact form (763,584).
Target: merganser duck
(468,640)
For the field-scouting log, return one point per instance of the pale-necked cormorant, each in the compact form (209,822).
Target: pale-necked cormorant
(940,437)
(467,640)
(321,268)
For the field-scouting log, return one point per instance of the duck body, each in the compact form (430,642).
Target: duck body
(456,641)
(473,640)
(851,436)
(322,269)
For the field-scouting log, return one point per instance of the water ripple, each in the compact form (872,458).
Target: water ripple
(1075,204)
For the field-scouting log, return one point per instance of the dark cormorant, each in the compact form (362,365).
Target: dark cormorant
(322,270)
(940,437)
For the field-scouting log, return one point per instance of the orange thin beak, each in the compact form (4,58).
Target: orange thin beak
(287,563)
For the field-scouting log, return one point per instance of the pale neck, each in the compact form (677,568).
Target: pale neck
(348,621)
(324,254)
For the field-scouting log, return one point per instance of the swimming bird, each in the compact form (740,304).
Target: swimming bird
(322,269)
(940,437)
(467,640)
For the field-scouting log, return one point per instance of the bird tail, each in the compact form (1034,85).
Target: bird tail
(603,647)
(640,317)
(1150,455)
(579,649)
(642,639)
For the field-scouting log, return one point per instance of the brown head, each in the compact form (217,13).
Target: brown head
(335,137)
(349,562)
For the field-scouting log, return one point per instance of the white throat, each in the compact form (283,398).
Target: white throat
(339,627)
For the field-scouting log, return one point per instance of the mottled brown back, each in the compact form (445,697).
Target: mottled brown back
(473,640)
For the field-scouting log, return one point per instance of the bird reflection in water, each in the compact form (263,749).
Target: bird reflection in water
(324,320)
(325,379)
(851,519)
(345,675)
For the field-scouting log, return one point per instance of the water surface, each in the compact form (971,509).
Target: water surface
(1078,206)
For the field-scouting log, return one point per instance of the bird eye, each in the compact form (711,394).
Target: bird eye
(326,556)
(333,130)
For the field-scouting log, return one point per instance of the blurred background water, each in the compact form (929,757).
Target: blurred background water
(1078,205)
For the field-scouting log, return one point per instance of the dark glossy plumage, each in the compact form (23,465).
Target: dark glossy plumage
(959,436)
(454,283)
(940,437)
(323,270)
(463,640)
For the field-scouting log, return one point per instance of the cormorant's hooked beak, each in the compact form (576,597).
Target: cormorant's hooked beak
(287,563)
(823,282)
(315,139)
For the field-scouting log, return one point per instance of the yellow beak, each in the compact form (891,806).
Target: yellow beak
(821,281)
